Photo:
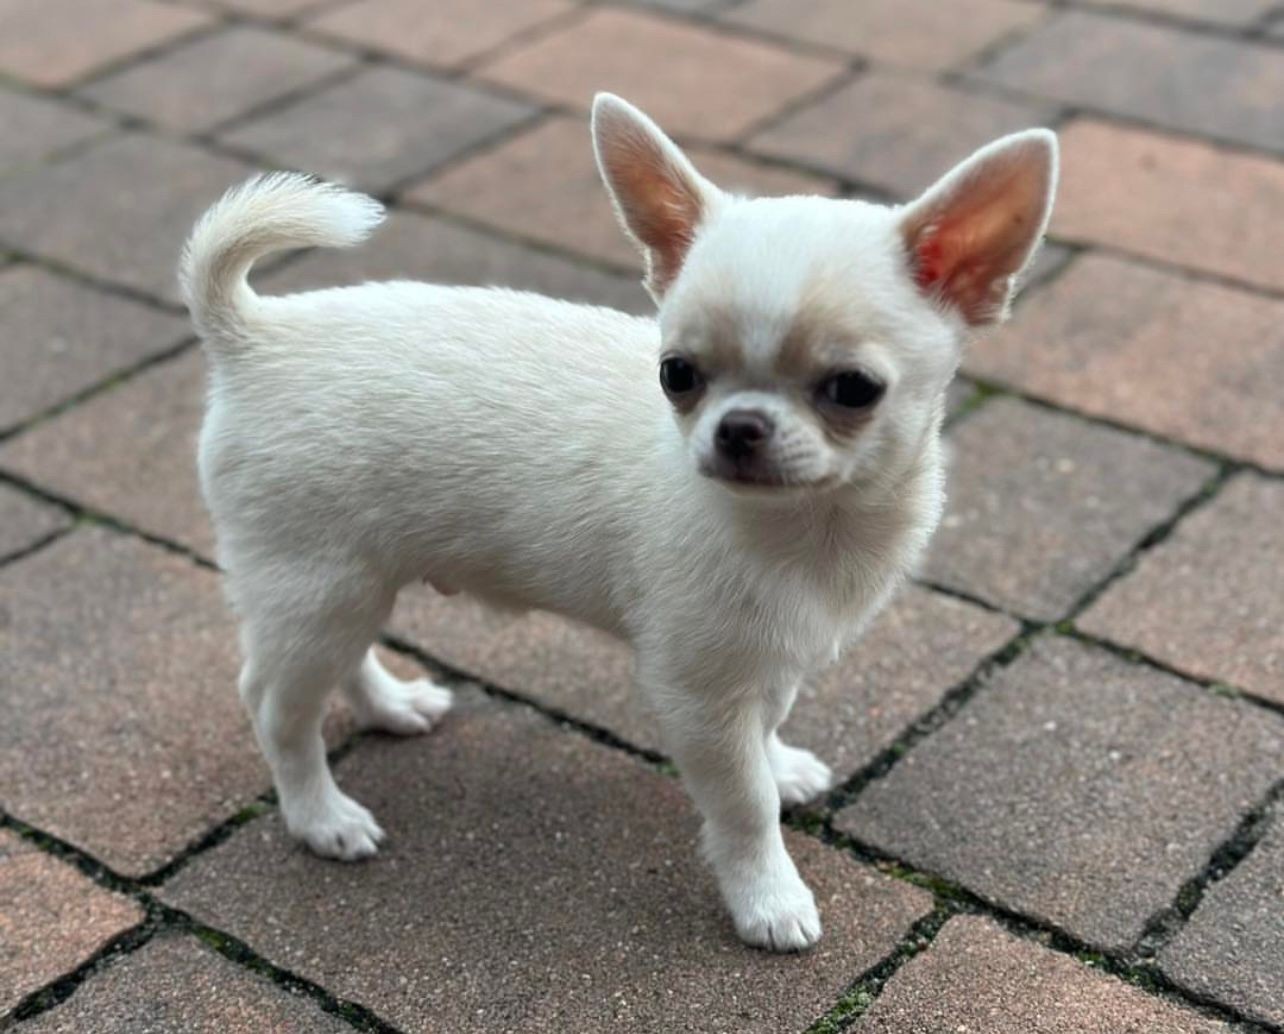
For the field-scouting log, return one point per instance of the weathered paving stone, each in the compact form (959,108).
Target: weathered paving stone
(875,149)
(395,125)
(739,81)
(33,127)
(1076,788)
(127,737)
(977,977)
(1230,12)
(1196,362)
(1232,949)
(176,984)
(534,881)
(53,919)
(62,338)
(895,32)
(415,247)
(445,34)
(118,210)
(1043,506)
(271,8)
(545,185)
(129,452)
(1172,200)
(25,521)
(1183,80)
(39,44)
(1207,601)
(923,646)
(195,87)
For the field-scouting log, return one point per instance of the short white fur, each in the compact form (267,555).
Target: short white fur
(519,449)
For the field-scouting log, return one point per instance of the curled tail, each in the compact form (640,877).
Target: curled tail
(268,213)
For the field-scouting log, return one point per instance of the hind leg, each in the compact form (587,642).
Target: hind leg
(300,639)
(382,701)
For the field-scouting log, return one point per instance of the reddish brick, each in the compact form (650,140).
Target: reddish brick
(1184,80)
(128,738)
(977,977)
(62,338)
(1176,201)
(739,82)
(544,184)
(26,522)
(898,32)
(395,124)
(1076,788)
(177,984)
(33,127)
(199,85)
(561,889)
(923,646)
(41,44)
(1232,950)
(118,210)
(1207,601)
(875,147)
(147,475)
(54,919)
(411,246)
(1192,361)
(1043,506)
(444,34)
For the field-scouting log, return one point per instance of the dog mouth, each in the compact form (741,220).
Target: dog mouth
(749,480)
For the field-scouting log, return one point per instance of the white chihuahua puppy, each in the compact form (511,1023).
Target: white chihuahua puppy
(736,488)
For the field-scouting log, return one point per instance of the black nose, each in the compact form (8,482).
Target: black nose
(742,433)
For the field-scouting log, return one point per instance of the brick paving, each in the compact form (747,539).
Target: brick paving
(1061,755)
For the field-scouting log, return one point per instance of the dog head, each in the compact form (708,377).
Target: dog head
(807,343)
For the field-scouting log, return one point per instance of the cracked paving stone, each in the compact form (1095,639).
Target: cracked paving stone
(26,521)
(1232,949)
(535,881)
(1207,600)
(1076,788)
(978,979)
(1043,506)
(176,984)
(919,648)
(52,918)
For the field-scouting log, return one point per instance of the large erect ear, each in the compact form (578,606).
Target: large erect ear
(659,197)
(975,230)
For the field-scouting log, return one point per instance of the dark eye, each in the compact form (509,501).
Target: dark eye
(678,376)
(852,389)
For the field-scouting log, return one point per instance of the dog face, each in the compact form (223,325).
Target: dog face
(806,342)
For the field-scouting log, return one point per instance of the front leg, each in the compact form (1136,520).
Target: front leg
(720,748)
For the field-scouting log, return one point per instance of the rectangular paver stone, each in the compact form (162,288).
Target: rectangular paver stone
(127,738)
(1043,506)
(1207,600)
(978,978)
(534,881)
(1187,81)
(917,33)
(176,984)
(544,184)
(1077,788)
(1173,200)
(1189,360)
(129,452)
(33,127)
(1229,12)
(739,81)
(52,918)
(118,210)
(395,124)
(26,521)
(1232,949)
(196,86)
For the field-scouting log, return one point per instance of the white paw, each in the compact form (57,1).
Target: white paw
(778,915)
(335,826)
(800,775)
(402,708)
